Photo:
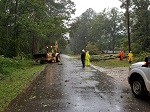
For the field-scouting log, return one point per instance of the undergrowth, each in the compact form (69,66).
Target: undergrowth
(14,75)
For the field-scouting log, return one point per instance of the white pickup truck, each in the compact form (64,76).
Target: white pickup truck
(139,78)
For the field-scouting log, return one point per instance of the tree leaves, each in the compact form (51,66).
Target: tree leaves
(22,20)
(103,29)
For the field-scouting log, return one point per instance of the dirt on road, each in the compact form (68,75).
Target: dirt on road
(119,73)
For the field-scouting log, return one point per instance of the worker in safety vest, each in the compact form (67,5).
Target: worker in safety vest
(121,55)
(87,58)
(130,57)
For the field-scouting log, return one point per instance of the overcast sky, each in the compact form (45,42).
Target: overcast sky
(97,5)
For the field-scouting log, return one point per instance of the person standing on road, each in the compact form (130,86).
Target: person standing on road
(87,58)
(83,58)
(130,57)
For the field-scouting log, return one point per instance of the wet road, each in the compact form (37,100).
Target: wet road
(67,87)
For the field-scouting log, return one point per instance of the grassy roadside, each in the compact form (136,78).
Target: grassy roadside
(116,62)
(16,81)
(110,63)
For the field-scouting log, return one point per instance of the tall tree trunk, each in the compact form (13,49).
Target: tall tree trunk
(15,41)
(128,24)
(35,48)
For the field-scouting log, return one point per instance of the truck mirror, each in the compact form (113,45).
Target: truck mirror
(147,60)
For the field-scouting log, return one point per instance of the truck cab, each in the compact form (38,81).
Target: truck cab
(139,78)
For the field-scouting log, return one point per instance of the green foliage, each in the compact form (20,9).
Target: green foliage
(112,60)
(31,25)
(141,56)
(139,24)
(108,29)
(9,65)
(124,44)
(112,63)
(103,29)
(19,74)
(136,48)
(79,31)
(92,48)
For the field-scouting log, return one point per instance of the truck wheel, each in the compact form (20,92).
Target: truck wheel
(42,61)
(138,88)
(57,58)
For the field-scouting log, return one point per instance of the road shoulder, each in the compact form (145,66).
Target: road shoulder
(118,73)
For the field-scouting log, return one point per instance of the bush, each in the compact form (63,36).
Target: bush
(92,48)
(21,72)
(141,56)
(9,65)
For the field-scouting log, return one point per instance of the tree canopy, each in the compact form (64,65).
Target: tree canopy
(104,29)
(28,26)
(108,29)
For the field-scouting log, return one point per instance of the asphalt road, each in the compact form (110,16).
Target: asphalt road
(67,87)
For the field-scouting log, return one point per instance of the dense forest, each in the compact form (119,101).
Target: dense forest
(28,26)
(110,29)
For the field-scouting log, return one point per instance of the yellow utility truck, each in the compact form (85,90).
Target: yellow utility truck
(50,57)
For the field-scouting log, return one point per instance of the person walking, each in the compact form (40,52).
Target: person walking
(130,57)
(87,58)
(83,58)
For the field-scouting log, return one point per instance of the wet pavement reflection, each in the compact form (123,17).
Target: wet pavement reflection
(67,87)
